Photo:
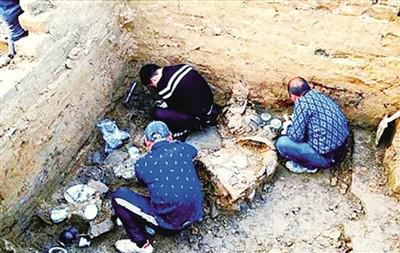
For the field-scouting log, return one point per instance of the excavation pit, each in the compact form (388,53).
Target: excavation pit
(77,68)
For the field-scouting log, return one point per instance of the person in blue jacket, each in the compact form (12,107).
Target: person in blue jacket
(9,12)
(318,135)
(187,99)
(176,198)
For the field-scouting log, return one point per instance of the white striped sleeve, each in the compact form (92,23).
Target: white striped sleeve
(176,82)
(172,79)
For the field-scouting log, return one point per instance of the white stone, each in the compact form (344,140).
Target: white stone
(98,186)
(91,212)
(58,215)
(276,123)
(79,193)
(265,116)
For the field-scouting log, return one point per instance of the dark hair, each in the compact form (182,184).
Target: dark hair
(147,72)
(298,86)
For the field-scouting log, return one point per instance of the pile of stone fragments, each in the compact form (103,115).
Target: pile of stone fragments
(234,159)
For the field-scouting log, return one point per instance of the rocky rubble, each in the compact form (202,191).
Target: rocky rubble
(237,169)
(235,163)
(240,156)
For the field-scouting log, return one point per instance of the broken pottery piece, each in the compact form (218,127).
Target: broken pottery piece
(253,122)
(57,250)
(90,172)
(113,137)
(115,158)
(79,193)
(91,212)
(125,170)
(96,158)
(84,242)
(101,228)
(209,138)
(121,164)
(276,123)
(239,167)
(265,117)
(98,186)
(58,215)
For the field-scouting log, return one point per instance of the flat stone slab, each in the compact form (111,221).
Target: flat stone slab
(101,228)
(238,168)
(209,138)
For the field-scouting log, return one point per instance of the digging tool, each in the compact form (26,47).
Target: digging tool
(129,93)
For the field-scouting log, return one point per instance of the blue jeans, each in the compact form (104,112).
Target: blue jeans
(302,153)
(10,11)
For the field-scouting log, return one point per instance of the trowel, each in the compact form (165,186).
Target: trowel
(129,93)
(384,124)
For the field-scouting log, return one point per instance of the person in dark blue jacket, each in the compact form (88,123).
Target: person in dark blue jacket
(318,135)
(176,198)
(187,99)
(9,12)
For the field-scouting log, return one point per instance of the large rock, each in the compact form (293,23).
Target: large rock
(238,168)
(209,138)
(392,161)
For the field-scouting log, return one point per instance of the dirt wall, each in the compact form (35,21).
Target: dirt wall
(48,114)
(392,161)
(348,49)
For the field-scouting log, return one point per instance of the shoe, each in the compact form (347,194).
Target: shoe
(127,246)
(297,168)
(19,36)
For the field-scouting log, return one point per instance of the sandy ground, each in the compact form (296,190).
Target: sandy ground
(341,210)
(300,213)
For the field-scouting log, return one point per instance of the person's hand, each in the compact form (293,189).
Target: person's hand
(201,154)
(161,104)
(286,124)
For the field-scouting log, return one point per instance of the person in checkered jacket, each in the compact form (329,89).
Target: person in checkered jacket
(317,136)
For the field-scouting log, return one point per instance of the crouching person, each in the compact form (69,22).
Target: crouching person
(318,135)
(187,100)
(175,200)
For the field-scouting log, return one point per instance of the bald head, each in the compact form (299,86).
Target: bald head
(298,86)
